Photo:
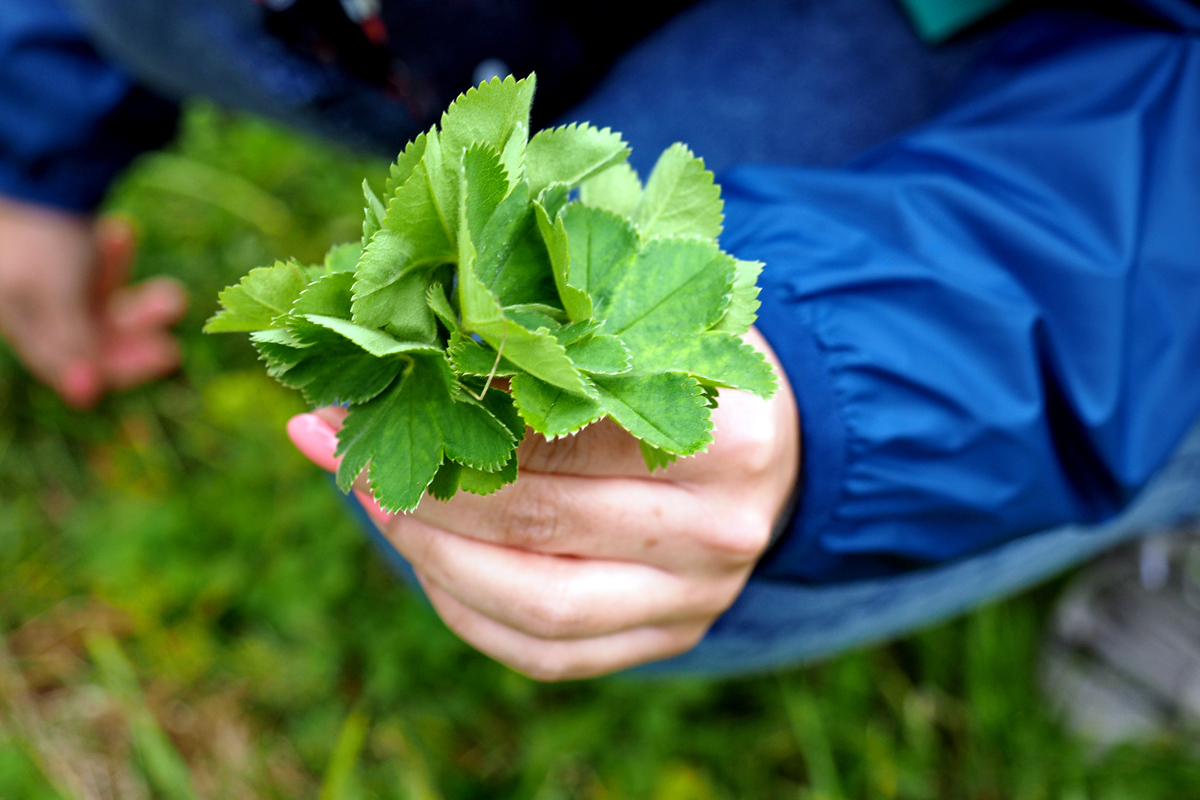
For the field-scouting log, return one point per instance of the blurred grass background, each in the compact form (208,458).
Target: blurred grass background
(188,611)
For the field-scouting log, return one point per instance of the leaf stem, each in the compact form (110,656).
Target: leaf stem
(495,366)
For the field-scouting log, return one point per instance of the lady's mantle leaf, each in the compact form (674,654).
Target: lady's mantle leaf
(601,354)
(680,198)
(334,372)
(406,431)
(329,295)
(261,296)
(717,357)
(674,287)
(343,258)
(574,299)
(668,410)
(537,352)
(417,234)
(743,306)
(487,114)
(616,189)
(403,168)
(551,411)
(602,245)
(570,155)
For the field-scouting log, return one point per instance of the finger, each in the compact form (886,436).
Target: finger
(129,359)
(375,511)
(156,303)
(59,341)
(602,449)
(315,439)
(660,523)
(116,244)
(548,660)
(555,597)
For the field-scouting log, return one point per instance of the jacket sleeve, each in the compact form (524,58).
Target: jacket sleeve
(992,323)
(69,121)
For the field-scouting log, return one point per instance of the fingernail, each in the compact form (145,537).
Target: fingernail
(315,440)
(377,514)
(80,384)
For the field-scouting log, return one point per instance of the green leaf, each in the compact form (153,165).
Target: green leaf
(469,357)
(655,458)
(601,354)
(435,298)
(343,257)
(616,189)
(718,357)
(512,156)
(445,482)
(488,114)
(538,353)
(403,168)
(551,411)
(479,482)
(486,186)
(406,431)
(373,213)
(674,287)
(567,335)
(330,370)
(571,154)
(262,295)
(553,198)
(603,246)
(400,307)
(418,231)
(680,198)
(502,407)
(743,305)
(329,295)
(375,342)
(512,261)
(575,300)
(666,410)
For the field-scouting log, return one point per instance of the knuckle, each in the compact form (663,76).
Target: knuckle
(549,668)
(753,448)
(687,637)
(531,520)
(553,616)
(742,535)
(544,455)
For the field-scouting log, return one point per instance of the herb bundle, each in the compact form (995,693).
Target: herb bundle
(542,260)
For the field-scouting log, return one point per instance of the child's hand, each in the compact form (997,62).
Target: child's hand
(65,308)
(588,563)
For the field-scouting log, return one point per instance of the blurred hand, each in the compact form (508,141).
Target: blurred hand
(65,308)
(588,563)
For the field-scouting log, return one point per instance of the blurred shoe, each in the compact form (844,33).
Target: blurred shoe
(1122,655)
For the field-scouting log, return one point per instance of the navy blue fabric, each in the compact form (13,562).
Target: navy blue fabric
(1003,300)
(69,121)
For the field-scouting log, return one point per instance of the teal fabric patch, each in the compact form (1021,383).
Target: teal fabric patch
(937,20)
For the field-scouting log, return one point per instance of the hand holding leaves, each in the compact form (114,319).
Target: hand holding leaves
(477,262)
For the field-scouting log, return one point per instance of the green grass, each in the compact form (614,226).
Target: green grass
(189,611)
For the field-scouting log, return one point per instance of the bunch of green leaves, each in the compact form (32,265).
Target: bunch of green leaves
(543,260)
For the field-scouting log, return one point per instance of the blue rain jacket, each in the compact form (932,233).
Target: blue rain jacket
(992,323)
